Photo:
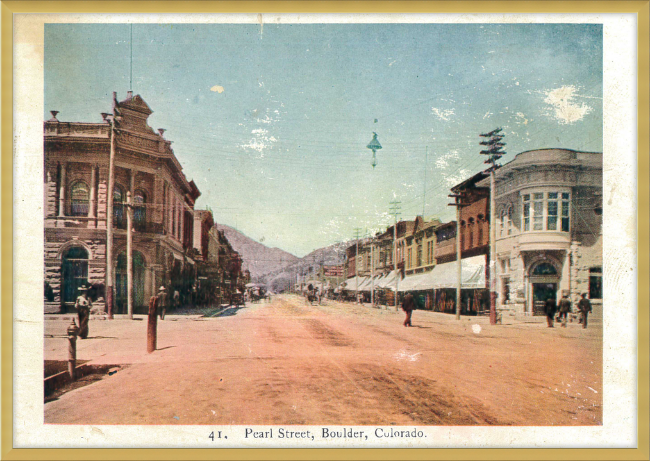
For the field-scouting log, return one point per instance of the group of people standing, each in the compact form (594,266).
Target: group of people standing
(564,308)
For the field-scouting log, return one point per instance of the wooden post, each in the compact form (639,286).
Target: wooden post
(152,324)
(73,331)
(129,254)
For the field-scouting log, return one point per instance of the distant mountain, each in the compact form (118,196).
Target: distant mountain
(281,278)
(257,258)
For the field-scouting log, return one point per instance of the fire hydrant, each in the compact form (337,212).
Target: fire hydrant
(73,331)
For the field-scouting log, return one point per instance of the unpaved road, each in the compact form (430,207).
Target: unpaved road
(291,363)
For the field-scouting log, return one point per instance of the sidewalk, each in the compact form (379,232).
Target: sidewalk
(479,319)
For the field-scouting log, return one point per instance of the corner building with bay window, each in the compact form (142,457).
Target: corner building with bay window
(75,210)
(548,229)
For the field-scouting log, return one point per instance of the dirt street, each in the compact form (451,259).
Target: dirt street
(288,362)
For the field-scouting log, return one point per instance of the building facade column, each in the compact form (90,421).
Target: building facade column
(93,197)
(62,181)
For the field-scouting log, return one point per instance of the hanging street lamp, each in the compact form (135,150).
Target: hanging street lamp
(374,146)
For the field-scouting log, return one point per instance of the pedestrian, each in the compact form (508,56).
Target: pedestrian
(177,299)
(162,302)
(565,308)
(408,304)
(584,305)
(549,310)
(83,305)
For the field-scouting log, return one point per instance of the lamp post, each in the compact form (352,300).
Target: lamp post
(374,146)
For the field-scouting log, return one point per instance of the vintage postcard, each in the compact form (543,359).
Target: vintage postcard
(266,230)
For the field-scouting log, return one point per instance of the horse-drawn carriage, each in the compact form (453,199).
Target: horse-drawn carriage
(237,299)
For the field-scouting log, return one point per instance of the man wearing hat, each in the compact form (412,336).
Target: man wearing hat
(83,305)
(162,301)
(584,305)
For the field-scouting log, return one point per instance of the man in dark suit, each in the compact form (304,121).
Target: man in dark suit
(550,309)
(408,305)
(584,305)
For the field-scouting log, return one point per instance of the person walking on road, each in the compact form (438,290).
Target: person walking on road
(162,302)
(549,310)
(83,305)
(407,306)
(584,305)
(565,308)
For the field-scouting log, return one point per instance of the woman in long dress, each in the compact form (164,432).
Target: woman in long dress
(83,306)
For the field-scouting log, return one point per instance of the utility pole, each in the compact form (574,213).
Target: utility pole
(494,152)
(357,233)
(424,192)
(372,272)
(109,209)
(395,206)
(459,268)
(129,254)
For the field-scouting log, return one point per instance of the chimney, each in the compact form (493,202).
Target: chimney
(129,95)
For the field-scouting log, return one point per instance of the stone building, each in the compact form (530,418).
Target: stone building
(549,229)
(75,208)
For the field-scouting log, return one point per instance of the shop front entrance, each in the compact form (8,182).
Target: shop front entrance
(542,292)
(544,280)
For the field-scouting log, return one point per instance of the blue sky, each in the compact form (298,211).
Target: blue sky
(271,123)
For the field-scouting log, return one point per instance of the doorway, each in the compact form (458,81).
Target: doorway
(121,282)
(541,293)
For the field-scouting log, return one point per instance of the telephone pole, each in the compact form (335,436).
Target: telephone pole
(424,192)
(395,206)
(494,152)
(372,272)
(112,119)
(459,274)
(357,233)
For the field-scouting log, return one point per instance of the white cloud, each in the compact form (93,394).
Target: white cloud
(217,89)
(563,106)
(442,162)
(523,118)
(442,114)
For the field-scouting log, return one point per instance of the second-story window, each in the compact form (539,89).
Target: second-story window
(419,255)
(139,211)
(470,226)
(545,211)
(79,195)
(119,218)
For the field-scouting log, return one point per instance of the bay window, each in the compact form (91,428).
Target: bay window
(546,211)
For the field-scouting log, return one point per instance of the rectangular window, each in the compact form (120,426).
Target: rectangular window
(551,217)
(596,283)
(526,212)
(538,214)
(565,212)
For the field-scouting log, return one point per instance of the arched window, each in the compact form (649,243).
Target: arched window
(74,271)
(79,195)
(470,226)
(139,211)
(509,220)
(544,268)
(502,222)
(119,218)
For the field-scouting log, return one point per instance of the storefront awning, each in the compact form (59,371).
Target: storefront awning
(388,281)
(472,274)
(351,283)
(416,282)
